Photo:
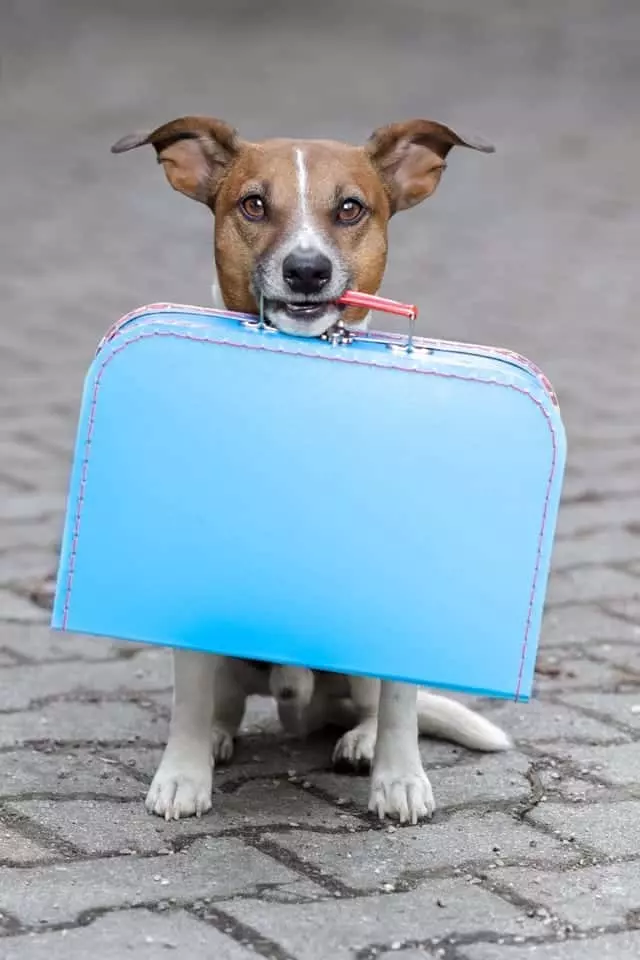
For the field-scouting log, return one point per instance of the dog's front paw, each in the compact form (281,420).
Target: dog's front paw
(356,747)
(180,789)
(405,796)
(222,745)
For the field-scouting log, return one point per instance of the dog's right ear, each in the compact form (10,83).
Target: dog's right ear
(194,151)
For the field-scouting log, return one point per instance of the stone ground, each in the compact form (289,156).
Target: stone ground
(535,852)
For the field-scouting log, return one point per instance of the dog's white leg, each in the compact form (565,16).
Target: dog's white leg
(399,786)
(229,701)
(356,747)
(184,780)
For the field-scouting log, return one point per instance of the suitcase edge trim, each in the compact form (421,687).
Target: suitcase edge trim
(73,518)
(391,339)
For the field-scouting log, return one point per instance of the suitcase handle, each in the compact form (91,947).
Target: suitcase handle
(353,298)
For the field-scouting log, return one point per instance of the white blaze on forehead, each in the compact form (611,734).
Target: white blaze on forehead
(307,236)
(303,184)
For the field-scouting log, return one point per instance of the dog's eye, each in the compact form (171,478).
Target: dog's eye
(350,211)
(253,207)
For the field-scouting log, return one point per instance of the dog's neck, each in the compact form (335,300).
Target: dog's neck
(219,304)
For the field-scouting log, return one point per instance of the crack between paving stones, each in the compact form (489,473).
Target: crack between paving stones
(53,746)
(242,934)
(454,943)
(556,699)
(84,695)
(205,914)
(32,830)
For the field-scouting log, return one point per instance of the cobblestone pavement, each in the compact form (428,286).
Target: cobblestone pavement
(537,851)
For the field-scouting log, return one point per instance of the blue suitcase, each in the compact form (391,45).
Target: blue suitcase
(371,504)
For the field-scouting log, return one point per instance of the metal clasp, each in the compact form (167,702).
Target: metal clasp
(338,335)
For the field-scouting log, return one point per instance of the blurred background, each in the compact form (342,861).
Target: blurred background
(533,248)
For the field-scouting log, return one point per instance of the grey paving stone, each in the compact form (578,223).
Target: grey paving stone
(17,566)
(41,534)
(16,848)
(273,801)
(143,761)
(611,545)
(616,765)
(612,829)
(14,607)
(573,789)
(621,656)
(102,826)
(589,583)
(258,757)
(74,722)
(477,779)
(25,685)
(615,478)
(36,642)
(541,721)
(622,707)
(489,778)
(587,897)
(405,954)
(139,933)
(579,623)
(431,913)
(621,946)
(60,892)
(64,772)
(368,861)
(31,468)
(627,609)
(576,519)
(554,673)
(30,506)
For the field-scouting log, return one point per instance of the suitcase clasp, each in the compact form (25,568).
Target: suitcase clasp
(338,335)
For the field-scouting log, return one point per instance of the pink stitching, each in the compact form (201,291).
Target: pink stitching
(426,342)
(335,359)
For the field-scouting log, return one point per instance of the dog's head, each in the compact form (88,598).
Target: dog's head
(292,685)
(293,689)
(298,222)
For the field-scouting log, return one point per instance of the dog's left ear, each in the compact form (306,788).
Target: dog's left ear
(410,158)
(195,153)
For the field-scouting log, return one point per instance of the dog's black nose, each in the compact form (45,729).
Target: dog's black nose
(287,693)
(306,271)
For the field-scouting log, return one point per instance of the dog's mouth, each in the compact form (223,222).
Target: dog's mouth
(302,318)
(306,310)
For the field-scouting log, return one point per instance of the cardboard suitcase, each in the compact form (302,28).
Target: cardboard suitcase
(370,503)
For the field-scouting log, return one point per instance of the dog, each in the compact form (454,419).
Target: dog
(298,222)
(310,700)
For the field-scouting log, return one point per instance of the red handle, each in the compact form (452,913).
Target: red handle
(353,298)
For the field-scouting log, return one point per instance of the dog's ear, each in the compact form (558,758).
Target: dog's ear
(194,151)
(410,158)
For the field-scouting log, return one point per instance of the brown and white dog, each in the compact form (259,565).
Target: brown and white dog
(298,222)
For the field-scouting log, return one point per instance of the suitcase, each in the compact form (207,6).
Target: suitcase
(370,504)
